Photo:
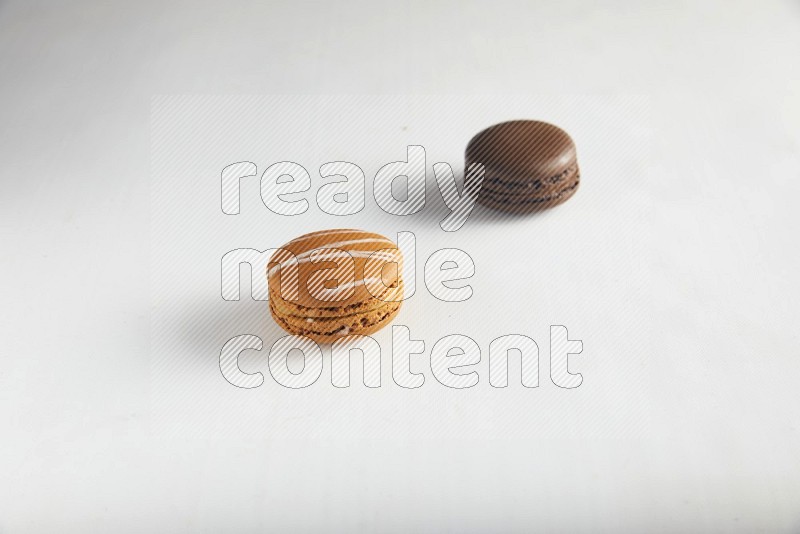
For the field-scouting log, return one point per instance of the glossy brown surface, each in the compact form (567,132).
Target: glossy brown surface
(529,165)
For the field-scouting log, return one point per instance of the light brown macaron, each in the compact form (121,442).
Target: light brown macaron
(529,165)
(333,283)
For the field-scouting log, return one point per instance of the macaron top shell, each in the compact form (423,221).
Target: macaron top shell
(336,269)
(525,148)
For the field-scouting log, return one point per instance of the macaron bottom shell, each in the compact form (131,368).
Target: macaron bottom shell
(523,203)
(327,329)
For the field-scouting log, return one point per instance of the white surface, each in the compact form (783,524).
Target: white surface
(693,425)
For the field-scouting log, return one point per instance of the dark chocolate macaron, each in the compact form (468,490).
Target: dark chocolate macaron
(529,165)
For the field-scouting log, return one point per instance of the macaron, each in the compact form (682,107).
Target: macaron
(529,165)
(332,283)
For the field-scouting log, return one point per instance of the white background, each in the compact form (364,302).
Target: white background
(688,418)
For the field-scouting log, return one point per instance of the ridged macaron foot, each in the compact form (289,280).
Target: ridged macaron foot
(332,283)
(529,165)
